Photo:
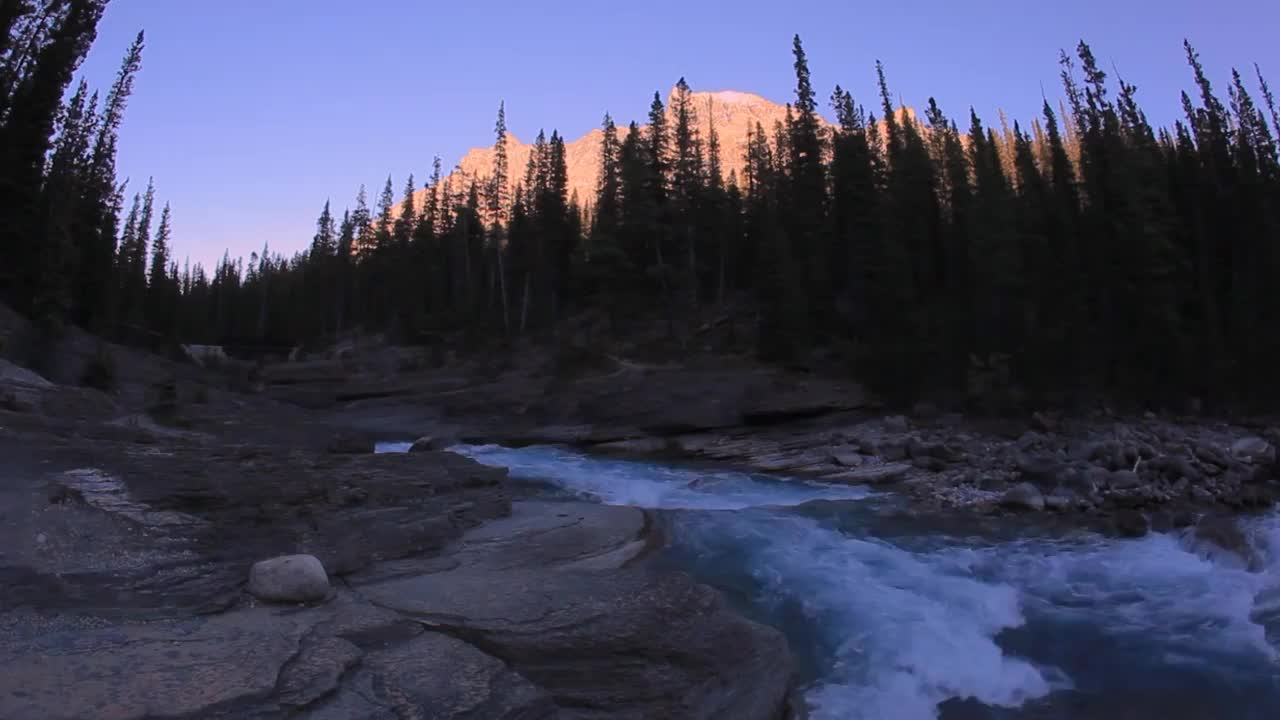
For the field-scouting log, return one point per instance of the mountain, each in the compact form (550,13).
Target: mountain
(734,113)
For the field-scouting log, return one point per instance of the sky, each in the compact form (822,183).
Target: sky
(249,114)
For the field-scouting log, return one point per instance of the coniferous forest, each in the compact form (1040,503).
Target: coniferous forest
(1086,254)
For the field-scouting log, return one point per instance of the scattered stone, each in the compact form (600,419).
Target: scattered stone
(289,579)
(1023,496)
(847,458)
(1123,480)
(1060,500)
(1211,455)
(1040,469)
(1253,450)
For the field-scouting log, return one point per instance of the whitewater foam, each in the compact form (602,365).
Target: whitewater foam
(625,482)
(902,632)
(897,628)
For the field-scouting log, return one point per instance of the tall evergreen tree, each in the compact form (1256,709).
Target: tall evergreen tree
(101,204)
(26,131)
(161,291)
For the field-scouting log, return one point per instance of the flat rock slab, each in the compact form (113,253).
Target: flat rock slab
(537,535)
(623,644)
(438,677)
(547,534)
(150,671)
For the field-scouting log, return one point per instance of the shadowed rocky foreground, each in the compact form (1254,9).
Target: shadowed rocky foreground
(130,588)
(192,545)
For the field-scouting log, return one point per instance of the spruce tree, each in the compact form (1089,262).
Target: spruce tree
(25,139)
(101,204)
(160,289)
(687,186)
(807,205)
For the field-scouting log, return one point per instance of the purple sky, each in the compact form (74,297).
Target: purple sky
(250,113)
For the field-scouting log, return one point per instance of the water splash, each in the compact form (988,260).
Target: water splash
(625,482)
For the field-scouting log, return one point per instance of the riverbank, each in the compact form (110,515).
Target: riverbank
(1120,474)
(134,529)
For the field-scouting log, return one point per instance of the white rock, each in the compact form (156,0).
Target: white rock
(290,578)
(1253,450)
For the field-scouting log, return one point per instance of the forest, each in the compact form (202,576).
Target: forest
(1087,255)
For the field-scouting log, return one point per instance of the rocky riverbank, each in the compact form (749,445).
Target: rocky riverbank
(1122,474)
(133,581)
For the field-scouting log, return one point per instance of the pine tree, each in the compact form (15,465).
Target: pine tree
(687,185)
(101,204)
(807,205)
(160,289)
(407,220)
(25,139)
(61,204)
(382,233)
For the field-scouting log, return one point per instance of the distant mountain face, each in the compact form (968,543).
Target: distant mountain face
(734,113)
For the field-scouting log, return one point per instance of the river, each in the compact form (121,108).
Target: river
(894,615)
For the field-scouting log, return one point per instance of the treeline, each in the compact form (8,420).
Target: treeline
(1087,255)
(66,255)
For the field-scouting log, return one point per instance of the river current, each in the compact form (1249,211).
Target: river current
(900,616)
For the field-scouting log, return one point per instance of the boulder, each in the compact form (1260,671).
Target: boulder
(1123,480)
(1211,455)
(1175,467)
(1040,469)
(1060,500)
(1253,450)
(289,579)
(846,457)
(1218,538)
(1023,496)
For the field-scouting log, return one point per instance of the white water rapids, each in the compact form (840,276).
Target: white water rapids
(894,617)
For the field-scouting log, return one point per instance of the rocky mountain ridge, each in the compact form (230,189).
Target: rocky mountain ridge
(734,114)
